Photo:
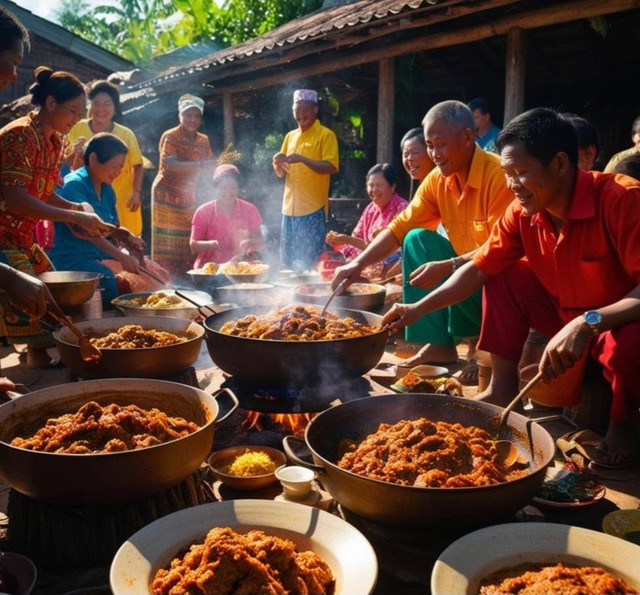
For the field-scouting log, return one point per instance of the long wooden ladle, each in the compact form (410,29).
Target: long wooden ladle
(508,454)
(88,351)
(337,291)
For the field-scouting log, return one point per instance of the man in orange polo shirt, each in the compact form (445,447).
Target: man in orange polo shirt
(307,159)
(579,284)
(467,193)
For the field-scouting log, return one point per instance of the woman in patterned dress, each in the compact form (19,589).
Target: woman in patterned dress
(31,150)
(185,154)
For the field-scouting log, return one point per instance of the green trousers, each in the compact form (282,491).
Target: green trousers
(444,326)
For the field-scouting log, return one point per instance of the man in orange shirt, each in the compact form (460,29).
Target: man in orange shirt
(579,284)
(467,193)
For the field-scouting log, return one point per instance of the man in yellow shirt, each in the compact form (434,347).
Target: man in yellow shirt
(467,192)
(307,159)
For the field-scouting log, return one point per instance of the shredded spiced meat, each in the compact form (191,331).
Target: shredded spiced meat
(555,580)
(296,323)
(251,564)
(424,453)
(109,428)
(134,336)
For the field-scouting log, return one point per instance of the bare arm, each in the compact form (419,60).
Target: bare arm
(254,243)
(133,203)
(567,346)
(20,201)
(198,246)
(339,239)
(318,166)
(26,293)
(383,245)
(428,275)
(461,285)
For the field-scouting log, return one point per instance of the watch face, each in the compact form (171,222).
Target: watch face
(592,317)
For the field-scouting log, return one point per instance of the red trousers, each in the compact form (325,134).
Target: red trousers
(515,301)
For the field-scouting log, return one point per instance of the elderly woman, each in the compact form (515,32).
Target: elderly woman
(415,159)
(104,111)
(185,154)
(31,150)
(226,226)
(104,157)
(385,204)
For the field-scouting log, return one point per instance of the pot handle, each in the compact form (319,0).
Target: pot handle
(543,420)
(199,306)
(233,399)
(295,458)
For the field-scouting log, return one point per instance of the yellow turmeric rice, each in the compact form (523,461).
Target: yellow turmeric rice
(251,464)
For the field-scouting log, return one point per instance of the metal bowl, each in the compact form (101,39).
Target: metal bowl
(347,552)
(148,362)
(21,569)
(221,460)
(71,289)
(261,272)
(206,280)
(358,296)
(183,310)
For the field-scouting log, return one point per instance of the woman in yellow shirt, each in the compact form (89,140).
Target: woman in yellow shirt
(104,109)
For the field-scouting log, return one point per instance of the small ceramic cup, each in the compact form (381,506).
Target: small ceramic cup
(296,481)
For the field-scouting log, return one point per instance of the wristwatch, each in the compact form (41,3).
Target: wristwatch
(594,319)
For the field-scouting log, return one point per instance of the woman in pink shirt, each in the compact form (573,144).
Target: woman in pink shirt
(385,204)
(226,226)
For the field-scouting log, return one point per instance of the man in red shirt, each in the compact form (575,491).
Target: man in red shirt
(579,284)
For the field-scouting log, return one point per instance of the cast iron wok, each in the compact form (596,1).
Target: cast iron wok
(106,477)
(269,363)
(408,506)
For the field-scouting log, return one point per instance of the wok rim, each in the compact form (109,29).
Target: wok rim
(284,341)
(380,289)
(439,490)
(121,302)
(95,455)
(197,328)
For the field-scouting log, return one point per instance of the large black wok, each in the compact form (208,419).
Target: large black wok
(408,506)
(106,477)
(271,364)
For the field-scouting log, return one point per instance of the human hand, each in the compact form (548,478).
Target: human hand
(28,294)
(428,275)
(136,242)
(6,384)
(78,146)
(93,224)
(350,271)
(399,316)
(334,238)
(133,204)
(129,263)
(565,348)
(295,158)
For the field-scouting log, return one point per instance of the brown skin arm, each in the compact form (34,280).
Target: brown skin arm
(338,239)
(428,275)
(383,245)
(461,285)
(567,346)
(20,201)
(28,294)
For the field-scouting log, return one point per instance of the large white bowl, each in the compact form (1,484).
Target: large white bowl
(350,556)
(468,561)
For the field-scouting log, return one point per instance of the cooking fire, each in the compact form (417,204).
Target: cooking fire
(293,423)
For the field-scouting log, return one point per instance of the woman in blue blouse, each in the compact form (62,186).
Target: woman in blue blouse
(74,250)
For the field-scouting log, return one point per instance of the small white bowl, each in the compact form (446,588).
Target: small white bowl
(296,481)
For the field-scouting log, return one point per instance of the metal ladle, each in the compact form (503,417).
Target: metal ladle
(88,351)
(508,454)
(338,290)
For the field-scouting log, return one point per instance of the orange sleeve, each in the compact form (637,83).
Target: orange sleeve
(504,246)
(421,213)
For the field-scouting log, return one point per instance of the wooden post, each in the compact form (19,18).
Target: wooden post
(516,67)
(386,93)
(227,114)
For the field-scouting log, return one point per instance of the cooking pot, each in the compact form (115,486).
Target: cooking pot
(409,506)
(125,303)
(106,477)
(269,363)
(71,289)
(251,294)
(358,296)
(148,362)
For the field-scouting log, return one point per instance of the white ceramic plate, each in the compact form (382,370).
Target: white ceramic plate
(350,556)
(468,561)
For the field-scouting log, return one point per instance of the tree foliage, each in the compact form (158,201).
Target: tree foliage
(138,30)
